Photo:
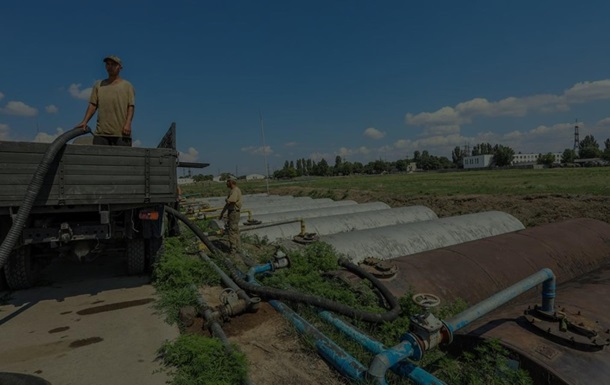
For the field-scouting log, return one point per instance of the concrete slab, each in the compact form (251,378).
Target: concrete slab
(91,325)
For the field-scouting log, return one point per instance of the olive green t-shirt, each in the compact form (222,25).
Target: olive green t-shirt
(112,101)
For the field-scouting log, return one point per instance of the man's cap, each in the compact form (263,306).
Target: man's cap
(115,59)
(234,179)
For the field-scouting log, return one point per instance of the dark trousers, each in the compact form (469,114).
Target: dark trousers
(112,141)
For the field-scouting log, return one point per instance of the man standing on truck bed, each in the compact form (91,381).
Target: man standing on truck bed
(233,206)
(114,101)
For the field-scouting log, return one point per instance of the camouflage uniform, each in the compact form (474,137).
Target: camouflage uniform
(233,208)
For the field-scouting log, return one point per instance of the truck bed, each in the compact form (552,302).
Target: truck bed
(89,175)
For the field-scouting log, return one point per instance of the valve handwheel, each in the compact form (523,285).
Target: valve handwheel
(426,300)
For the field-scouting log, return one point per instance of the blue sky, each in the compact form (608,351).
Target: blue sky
(361,79)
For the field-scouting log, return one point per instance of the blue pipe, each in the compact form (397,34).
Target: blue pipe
(342,361)
(257,270)
(410,347)
(335,355)
(404,368)
(544,276)
(362,339)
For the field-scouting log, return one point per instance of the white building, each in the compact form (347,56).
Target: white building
(255,177)
(532,158)
(477,161)
(484,161)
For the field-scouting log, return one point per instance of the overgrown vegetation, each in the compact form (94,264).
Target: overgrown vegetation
(198,360)
(489,364)
(191,359)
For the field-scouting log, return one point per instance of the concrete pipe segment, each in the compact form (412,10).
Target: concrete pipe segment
(475,270)
(399,240)
(256,200)
(346,222)
(309,212)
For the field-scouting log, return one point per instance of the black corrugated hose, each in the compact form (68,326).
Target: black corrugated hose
(323,303)
(33,189)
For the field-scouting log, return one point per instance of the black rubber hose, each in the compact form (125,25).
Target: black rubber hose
(32,191)
(323,303)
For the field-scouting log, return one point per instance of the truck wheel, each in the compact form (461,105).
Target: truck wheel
(136,256)
(19,270)
(3,285)
(155,248)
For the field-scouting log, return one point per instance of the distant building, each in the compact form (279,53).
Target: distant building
(182,181)
(521,159)
(255,177)
(477,161)
(484,161)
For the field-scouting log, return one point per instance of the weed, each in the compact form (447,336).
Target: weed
(175,270)
(487,365)
(198,360)
(173,276)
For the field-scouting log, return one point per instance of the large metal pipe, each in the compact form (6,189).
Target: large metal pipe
(399,240)
(346,222)
(549,353)
(475,270)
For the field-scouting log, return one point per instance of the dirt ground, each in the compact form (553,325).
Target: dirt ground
(276,353)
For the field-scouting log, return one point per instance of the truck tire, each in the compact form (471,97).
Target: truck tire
(19,269)
(136,256)
(155,248)
(3,285)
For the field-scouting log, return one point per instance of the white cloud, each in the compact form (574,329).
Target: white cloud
(344,152)
(587,91)
(51,109)
(136,143)
(4,131)
(43,137)
(1,96)
(318,156)
(604,123)
(374,133)
(450,118)
(19,109)
(290,144)
(190,156)
(258,150)
(77,93)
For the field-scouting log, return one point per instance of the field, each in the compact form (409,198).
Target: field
(533,196)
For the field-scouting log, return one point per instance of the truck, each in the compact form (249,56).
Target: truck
(90,199)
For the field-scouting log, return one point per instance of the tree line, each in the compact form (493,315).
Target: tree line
(501,156)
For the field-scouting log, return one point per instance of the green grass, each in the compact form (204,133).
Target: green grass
(589,181)
(198,360)
(191,359)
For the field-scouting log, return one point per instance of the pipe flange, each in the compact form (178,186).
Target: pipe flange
(380,268)
(569,327)
(418,351)
(306,238)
